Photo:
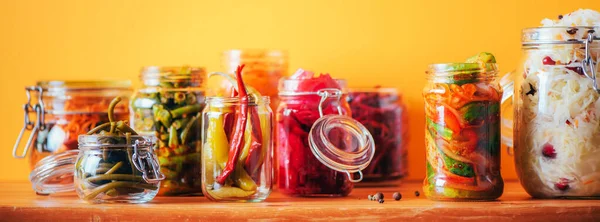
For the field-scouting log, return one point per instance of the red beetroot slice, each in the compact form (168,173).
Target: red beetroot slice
(562,185)
(548,151)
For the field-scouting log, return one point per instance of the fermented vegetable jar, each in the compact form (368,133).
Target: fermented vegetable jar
(557,113)
(263,68)
(250,169)
(383,112)
(321,149)
(117,169)
(57,112)
(462,132)
(169,106)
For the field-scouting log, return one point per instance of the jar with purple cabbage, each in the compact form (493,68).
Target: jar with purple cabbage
(384,114)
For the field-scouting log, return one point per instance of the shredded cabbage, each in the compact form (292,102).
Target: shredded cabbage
(564,111)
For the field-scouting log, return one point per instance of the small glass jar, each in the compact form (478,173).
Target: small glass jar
(116,169)
(169,106)
(319,146)
(384,114)
(263,68)
(57,112)
(462,132)
(557,113)
(250,179)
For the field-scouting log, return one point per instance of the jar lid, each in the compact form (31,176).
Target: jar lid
(54,173)
(340,142)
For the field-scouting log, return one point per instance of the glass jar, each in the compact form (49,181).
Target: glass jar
(383,112)
(462,132)
(557,113)
(319,146)
(116,169)
(169,106)
(57,112)
(263,68)
(251,176)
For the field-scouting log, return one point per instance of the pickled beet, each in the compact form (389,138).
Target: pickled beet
(548,61)
(549,151)
(300,173)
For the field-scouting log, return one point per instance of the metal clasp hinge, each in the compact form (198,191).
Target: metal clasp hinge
(588,65)
(139,163)
(31,125)
(329,93)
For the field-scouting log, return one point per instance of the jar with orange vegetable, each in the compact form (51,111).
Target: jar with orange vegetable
(462,130)
(57,112)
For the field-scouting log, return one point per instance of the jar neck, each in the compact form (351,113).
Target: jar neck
(313,86)
(173,77)
(462,72)
(235,101)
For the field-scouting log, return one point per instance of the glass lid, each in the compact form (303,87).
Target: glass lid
(340,142)
(54,173)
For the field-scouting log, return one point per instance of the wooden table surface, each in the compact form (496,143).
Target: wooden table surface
(19,203)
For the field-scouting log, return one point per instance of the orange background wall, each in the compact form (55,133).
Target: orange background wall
(369,43)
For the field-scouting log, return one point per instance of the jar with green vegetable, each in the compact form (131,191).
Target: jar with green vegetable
(237,151)
(169,106)
(462,130)
(115,164)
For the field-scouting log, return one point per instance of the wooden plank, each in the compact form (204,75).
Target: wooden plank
(18,203)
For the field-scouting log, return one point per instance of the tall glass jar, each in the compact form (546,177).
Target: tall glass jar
(462,132)
(116,169)
(384,113)
(557,113)
(251,177)
(57,112)
(263,68)
(319,146)
(169,106)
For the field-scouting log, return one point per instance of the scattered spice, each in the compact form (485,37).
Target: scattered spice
(560,16)
(417,193)
(380,201)
(397,196)
(370,197)
(378,196)
(532,90)
(572,31)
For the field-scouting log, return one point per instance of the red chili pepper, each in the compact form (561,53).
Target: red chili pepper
(253,160)
(236,144)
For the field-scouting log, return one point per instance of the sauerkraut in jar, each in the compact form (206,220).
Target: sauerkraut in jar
(557,115)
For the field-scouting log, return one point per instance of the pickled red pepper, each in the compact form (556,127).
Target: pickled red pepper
(463,133)
(240,128)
